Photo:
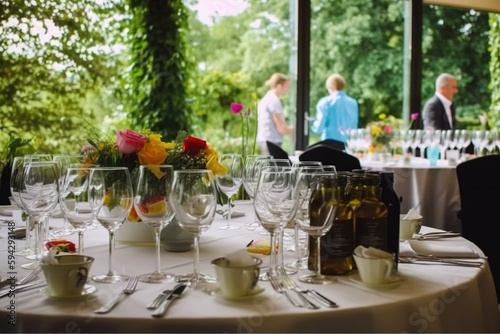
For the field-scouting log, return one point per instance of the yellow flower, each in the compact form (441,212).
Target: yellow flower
(154,151)
(213,162)
(382,116)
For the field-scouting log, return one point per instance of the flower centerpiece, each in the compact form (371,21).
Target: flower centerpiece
(132,149)
(381,133)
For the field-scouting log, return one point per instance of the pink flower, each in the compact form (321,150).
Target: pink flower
(129,141)
(87,148)
(414,116)
(236,108)
(387,129)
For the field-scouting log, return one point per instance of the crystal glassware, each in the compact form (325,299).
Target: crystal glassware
(39,193)
(74,203)
(318,207)
(152,205)
(275,205)
(194,200)
(111,197)
(230,182)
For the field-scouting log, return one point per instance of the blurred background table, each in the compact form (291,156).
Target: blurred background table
(431,300)
(433,189)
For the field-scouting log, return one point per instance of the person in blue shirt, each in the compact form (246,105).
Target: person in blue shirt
(337,112)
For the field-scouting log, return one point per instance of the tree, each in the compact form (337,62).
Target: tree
(494,21)
(52,60)
(159,74)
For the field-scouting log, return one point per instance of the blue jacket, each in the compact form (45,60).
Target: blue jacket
(334,115)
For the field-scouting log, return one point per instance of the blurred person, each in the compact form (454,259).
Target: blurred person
(439,111)
(271,124)
(336,112)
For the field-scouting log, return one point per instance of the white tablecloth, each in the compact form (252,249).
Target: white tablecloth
(430,298)
(433,189)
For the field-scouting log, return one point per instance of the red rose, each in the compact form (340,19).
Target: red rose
(192,145)
(64,246)
(129,141)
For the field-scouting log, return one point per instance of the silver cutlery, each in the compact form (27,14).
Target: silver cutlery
(128,290)
(420,259)
(273,279)
(28,278)
(289,284)
(160,298)
(24,287)
(438,235)
(324,300)
(162,309)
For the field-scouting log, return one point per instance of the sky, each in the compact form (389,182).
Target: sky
(214,8)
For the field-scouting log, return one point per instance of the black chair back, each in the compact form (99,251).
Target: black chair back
(479,186)
(276,151)
(338,145)
(331,156)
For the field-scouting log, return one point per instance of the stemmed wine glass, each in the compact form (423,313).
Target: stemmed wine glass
(111,196)
(151,203)
(194,200)
(230,182)
(39,192)
(250,178)
(318,206)
(74,201)
(16,174)
(275,205)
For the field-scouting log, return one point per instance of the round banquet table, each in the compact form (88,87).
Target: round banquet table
(429,298)
(434,190)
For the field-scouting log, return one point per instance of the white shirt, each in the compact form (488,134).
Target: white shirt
(266,128)
(447,107)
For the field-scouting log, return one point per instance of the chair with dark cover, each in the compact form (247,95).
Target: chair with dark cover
(338,145)
(276,151)
(479,186)
(331,156)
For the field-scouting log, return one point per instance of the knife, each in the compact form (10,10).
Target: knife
(161,297)
(162,309)
(19,288)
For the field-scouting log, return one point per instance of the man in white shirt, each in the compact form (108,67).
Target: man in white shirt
(439,111)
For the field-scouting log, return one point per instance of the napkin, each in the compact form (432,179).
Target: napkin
(50,257)
(435,248)
(413,213)
(371,252)
(239,258)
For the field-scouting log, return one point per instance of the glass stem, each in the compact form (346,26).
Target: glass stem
(228,210)
(111,259)
(28,234)
(279,258)
(39,234)
(80,242)
(196,271)
(157,241)
(272,259)
(317,267)
(298,250)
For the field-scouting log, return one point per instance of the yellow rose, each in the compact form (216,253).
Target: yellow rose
(154,151)
(213,162)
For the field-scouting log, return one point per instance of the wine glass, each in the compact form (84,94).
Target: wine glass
(16,173)
(111,196)
(151,203)
(74,203)
(230,182)
(275,205)
(250,178)
(39,193)
(64,161)
(194,200)
(318,206)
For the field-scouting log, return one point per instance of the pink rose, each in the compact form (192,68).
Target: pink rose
(387,129)
(414,116)
(236,108)
(129,141)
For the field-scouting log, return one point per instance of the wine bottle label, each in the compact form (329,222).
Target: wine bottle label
(338,242)
(372,232)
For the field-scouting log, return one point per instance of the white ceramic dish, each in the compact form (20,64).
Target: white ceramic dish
(87,290)
(6,210)
(357,279)
(257,290)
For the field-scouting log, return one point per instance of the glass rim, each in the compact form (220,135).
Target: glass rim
(186,171)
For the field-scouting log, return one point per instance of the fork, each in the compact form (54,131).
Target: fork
(31,276)
(129,289)
(288,280)
(273,279)
(289,284)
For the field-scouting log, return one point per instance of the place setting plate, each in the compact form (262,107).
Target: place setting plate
(396,280)
(87,290)
(7,210)
(255,291)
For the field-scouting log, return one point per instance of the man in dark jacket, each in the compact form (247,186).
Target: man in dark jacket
(439,111)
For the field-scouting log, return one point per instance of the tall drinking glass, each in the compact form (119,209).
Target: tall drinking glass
(74,201)
(230,182)
(151,203)
(194,200)
(110,190)
(39,194)
(275,205)
(250,178)
(318,203)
